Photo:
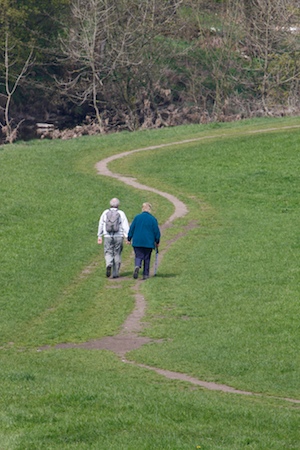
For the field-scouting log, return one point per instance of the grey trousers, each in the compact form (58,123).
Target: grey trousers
(113,247)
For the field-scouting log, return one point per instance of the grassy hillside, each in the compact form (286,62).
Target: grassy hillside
(224,302)
(228,292)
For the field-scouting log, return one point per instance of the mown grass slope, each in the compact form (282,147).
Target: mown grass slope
(225,300)
(227,294)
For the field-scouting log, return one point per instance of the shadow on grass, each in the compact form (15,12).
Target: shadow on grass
(129,274)
(165,275)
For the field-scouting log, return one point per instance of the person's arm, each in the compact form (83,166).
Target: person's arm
(130,232)
(125,224)
(157,234)
(101,228)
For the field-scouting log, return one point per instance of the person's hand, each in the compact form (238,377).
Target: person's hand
(127,242)
(99,240)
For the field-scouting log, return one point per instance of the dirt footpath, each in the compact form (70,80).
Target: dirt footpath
(128,339)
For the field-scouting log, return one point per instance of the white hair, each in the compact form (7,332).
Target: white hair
(114,203)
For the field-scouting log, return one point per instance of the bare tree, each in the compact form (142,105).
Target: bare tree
(110,44)
(12,81)
(211,56)
(249,54)
(271,46)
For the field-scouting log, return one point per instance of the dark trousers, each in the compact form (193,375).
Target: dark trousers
(143,254)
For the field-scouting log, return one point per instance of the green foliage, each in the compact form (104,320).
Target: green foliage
(28,19)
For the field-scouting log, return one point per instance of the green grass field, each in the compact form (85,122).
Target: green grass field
(225,302)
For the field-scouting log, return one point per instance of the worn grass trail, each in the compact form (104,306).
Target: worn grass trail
(214,318)
(128,339)
(180,211)
(257,221)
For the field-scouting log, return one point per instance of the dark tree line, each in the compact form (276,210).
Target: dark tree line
(130,64)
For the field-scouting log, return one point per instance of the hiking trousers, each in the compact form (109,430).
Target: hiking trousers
(143,254)
(113,246)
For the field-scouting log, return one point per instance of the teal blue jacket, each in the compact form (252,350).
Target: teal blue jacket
(144,231)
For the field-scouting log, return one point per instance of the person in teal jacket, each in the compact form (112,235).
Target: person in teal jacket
(144,233)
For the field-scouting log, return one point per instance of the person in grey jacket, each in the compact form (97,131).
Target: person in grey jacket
(113,242)
(145,235)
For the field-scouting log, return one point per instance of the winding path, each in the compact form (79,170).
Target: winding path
(128,338)
(102,169)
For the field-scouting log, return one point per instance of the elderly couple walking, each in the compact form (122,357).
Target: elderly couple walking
(144,233)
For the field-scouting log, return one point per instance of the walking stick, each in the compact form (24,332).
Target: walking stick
(156,261)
